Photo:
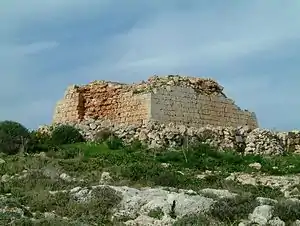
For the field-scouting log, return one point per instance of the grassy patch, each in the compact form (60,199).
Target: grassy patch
(201,158)
(97,210)
(140,166)
(137,166)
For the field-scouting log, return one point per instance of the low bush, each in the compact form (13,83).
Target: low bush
(40,142)
(97,209)
(135,171)
(114,143)
(233,209)
(105,198)
(287,210)
(40,138)
(14,137)
(135,145)
(70,152)
(194,220)
(66,134)
(168,178)
(156,213)
(153,173)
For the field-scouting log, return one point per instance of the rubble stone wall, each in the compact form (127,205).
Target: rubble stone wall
(182,105)
(103,100)
(178,99)
(242,139)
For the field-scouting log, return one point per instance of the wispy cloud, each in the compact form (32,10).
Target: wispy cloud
(250,47)
(37,47)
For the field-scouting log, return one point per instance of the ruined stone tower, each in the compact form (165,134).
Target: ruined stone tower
(181,100)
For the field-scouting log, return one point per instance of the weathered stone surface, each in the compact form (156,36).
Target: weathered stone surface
(219,193)
(255,165)
(261,214)
(276,221)
(137,203)
(266,201)
(286,184)
(171,99)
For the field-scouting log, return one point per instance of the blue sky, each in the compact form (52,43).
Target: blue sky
(250,47)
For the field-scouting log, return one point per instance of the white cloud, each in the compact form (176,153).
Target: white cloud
(188,38)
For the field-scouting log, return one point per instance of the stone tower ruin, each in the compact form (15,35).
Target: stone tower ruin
(170,99)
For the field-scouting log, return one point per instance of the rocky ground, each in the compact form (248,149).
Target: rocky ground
(156,135)
(89,184)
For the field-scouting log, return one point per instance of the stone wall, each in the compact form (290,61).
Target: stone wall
(178,99)
(156,135)
(111,101)
(182,105)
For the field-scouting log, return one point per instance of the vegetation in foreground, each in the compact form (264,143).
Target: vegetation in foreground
(43,158)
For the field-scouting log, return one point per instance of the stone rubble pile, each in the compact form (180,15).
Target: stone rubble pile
(156,135)
(200,85)
(205,86)
(260,141)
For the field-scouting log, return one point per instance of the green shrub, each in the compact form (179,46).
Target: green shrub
(233,209)
(14,137)
(40,142)
(153,173)
(194,220)
(66,134)
(156,213)
(114,143)
(40,138)
(134,171)
(141,171)
(287,210)
(106,198)
(168,178)
(70,152)
(136,145)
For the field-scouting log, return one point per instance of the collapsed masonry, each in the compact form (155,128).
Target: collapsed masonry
(189,101)
(157,135)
